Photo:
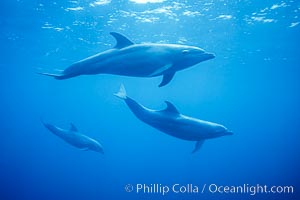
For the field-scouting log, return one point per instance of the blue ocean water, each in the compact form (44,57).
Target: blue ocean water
(252,87)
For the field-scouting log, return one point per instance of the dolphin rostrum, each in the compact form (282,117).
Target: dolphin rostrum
(73,137)
(172,122)
(137,60)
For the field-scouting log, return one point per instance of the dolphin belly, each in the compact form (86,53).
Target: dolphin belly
(76,140)
(181,127)
(127,64)
(134,61)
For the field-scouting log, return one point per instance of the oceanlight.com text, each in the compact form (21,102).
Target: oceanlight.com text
(163,189)
(250,189)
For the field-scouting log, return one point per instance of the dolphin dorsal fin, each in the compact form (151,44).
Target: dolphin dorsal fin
(122,41)
(73,128)
(171,108)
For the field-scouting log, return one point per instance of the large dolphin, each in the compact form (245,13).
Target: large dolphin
(137,60)
(171,122)
(73,137)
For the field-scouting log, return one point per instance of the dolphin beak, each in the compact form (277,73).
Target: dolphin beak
(230,132)
(210,55)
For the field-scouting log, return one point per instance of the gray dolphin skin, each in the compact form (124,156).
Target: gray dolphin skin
(171,122)
(137,60)
(76,139)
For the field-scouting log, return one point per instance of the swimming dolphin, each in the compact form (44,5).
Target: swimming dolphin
(137,60)
(73,137)
(171,122)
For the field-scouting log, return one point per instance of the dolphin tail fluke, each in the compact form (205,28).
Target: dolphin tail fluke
(56,76)
(198,146)
(122,92)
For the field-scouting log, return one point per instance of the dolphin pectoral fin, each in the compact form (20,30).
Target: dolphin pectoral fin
(122,41)
(198,146)
(84,149)
(166,78)
(73,128)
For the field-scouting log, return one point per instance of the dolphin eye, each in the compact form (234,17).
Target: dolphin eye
(185,51)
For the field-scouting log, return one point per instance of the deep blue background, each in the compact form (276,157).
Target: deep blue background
(252,87)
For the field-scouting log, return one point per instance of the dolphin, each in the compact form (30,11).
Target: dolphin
(137,60)
(73,137)
(172,122)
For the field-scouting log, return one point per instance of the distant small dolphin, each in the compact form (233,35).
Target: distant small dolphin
(75,138)
(137,60)
(171,122)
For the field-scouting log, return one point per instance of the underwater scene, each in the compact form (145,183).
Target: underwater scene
(149,99)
